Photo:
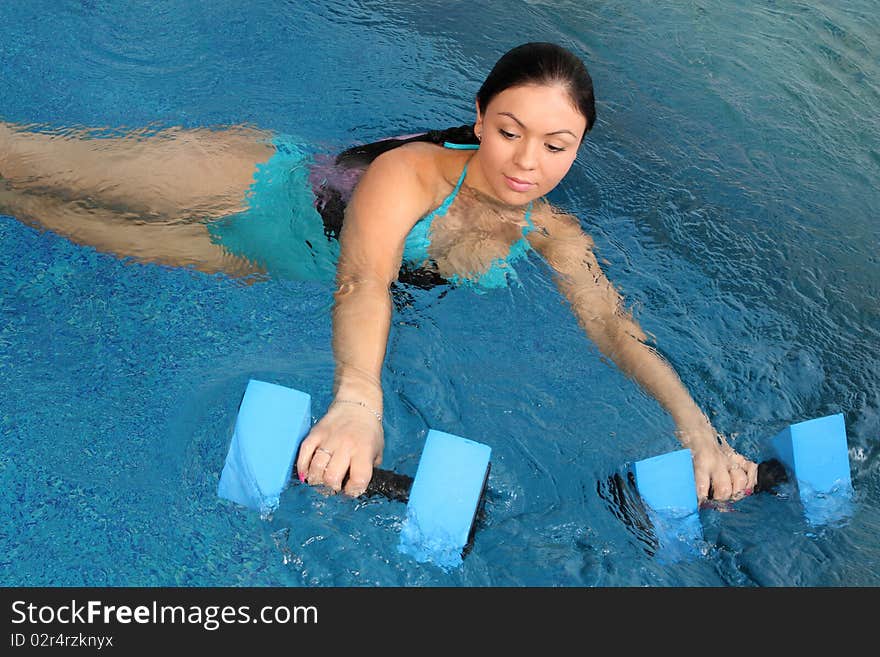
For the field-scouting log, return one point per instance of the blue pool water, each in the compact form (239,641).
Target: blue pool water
(731,186)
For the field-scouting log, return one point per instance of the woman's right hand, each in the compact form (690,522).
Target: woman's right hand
(342,448)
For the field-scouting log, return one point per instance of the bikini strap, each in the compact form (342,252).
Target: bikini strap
(444,207)
(529,227)
(461,147)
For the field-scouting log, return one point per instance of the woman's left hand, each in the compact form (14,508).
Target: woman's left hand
(720,473)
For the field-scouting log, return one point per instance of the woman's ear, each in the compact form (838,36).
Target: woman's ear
(478,126)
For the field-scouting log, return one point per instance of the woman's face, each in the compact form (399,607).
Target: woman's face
(529,139)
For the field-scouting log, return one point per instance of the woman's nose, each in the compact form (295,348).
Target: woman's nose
(526,155)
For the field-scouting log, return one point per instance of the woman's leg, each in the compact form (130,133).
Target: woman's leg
(177,244)
(172,173)
(143,195)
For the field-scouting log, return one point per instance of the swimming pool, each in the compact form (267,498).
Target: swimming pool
(730,185)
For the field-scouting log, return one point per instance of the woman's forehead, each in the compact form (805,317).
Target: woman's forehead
(538,107)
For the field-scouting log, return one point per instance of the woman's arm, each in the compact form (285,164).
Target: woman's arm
(348,440)
(720,472)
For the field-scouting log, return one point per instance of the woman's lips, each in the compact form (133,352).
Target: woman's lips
(518,185)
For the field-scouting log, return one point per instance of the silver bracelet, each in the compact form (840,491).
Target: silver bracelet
(359,403)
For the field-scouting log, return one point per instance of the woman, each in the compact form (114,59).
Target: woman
(425,208)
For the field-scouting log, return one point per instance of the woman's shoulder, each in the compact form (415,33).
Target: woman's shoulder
(420,157)
(432,168)
(405,181)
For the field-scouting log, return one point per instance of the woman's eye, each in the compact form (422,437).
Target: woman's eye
(506,135)
(554,149)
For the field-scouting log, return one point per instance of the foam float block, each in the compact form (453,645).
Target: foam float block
(666,482)
(272,422)
(816,452)
(667,487)
(444,498)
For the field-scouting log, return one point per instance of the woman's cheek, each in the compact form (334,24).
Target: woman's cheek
(552,181)
(561,171)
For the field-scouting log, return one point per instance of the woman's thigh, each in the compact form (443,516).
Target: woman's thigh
(170,173)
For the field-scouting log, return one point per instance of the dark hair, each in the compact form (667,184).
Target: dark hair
(541,63)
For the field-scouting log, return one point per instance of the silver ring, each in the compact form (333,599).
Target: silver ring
(326,451)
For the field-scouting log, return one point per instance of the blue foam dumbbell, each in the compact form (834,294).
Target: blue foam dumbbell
(442,500)
(813,453)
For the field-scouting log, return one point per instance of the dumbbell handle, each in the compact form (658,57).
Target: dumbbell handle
(394,486)
(387,483)
(771,473)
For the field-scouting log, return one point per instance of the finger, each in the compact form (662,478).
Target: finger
(739,481)
(741,462)
(702,481)
(335,472)
(320,461)
(306,451)
(358,479)
(744,479)
(721,485)
(303,461)
(752,472)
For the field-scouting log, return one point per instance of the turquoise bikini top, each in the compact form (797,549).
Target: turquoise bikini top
(499,274)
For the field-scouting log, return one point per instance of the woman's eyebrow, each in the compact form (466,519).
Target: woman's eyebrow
(522,125)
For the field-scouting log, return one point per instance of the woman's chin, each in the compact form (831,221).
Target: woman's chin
(511,197)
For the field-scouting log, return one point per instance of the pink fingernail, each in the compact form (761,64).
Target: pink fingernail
(302,476)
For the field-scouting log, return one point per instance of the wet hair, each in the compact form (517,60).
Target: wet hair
(541,64)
